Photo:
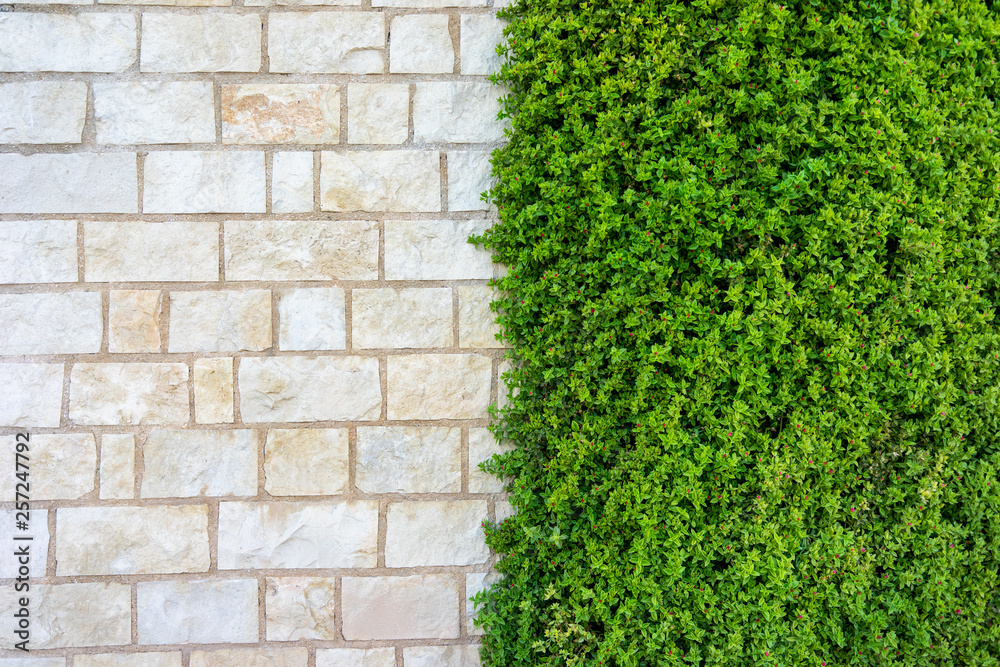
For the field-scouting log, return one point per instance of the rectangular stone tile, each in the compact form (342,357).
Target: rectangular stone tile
(203,182)
(85,42)
(150,251)
(356,657)
(465,655)
(137,393)
(192,463)
(292,182)
(38,531)
(480,35)
(72,614)
(32,394)
(258,535)
(145,659)
(435,532)
(306,250)
(285,113)
(302,389)
(161,539)
(475,582)
(38,251)
(134,321)
(468,178)
(265,656)
(68,183)
(457,112)
(220,321)
(476,326)
(421,44)
(312,318)
(50,323)
(200,43)
(62,465)
(305,42)
(197,612)
(117,466)
(409,242)
(305,462)
(504,510)
(301,3)
(482,446)
(154,112)
(422,606)
(380,181)
(378,113)
(387,317)
(439,386)
(300,608)
(429,4)
(42,112)
(409,459)
(33,662)
(213,391)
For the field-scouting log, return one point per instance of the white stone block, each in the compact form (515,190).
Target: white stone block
(439,386)
(356,657)
(457,112)
(72,615)
(193,463)
(387,317)
(420,44)
(378,113)
(421,606)
(409,459)
(49,42)
(286,113)
(429,4)
(381,181)
(474,583)
(480,35)
(408,244)
(220,321)
(68,183)
(50,323)
(435,532)
(312,318)
(202,42)
(204,182)
(42,112)
(154,112)
(264,656)
(117,466)
(306,42)
(135,393)
(134,321)
(465,655)
(482,447)
(38,251)
(300,608)
(305,462)
(144,659)
(468,178)
(32,394)
(150,251)
(476,326)
(292,182)
(197,612)
(62,466)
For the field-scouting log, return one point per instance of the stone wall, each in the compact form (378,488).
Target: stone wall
(241,321)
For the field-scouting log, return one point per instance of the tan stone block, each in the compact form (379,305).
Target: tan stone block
(139,393)
(32,394)
(356,657)
(401,318)
(134,321)
(435,532)
(265,656)
(378,113)
(117,466)
(83,42)
(72,615)
(312,318)
(292,182)
(457,112)
(200,42)
(213,391)
(203,181)
(476,326)
(191,463)
(300,608)
(380,181)
(220,321)
(68,183)
(421,606)
(38,531)
(38,251)
(281,113)
(42,112)
(305,462)
(442,656)
(151,251)
(61,465)
(421,43)
(306,42)
(204,611)
(409,459)
(482,447)
(408,244)
(50,323)
(154,112)
(145,659)
(439,386)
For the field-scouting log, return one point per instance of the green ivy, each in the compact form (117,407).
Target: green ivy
(752,255)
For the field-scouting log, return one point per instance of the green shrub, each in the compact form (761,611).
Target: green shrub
(752,255)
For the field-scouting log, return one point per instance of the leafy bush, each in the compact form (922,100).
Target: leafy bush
(752,254)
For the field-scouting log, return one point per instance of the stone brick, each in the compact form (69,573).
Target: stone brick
(38,251)
(435,532)
(475,582)
(356,657)
(408,244)
(504,510)
(154,112)
(32,394)
(429,4)
(197,612)
(32,662)
(213,390)
(482,446)
(409,459)
(292,182)
(476,327)
(134,321)
(307,250)
(138,393)
(438,386)
(145,659)
(72,614)
(466,655)
(62,465)
(381,181)
(300,608)
(468,178)
(220,321)
(457,112)
(42,112)
(312,318)
(68,183)
(305,462)
(264,656)
(170,3)
(421,606)
(200,42)
(305,42)
(297,534)
(203,182)
(480,35)
(131,540)
(300,389)
(304,113)
(85,42)
(150,251)
(421,43)
(38,531)
(401,318)
(301,3)
(189,463)
(117,466)
(378,113)
(50,323)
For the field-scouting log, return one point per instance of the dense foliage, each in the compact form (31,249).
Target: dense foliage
(752,253)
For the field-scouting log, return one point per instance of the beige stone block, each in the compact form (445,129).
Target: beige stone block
(203,182)
(465,655)
(170,3)
(482,447)
(409,459)
(504,510)
(378,113)
(62,466)
(134,321)
(264,656)
(117,466)
(408,244)
(429,4)
(356,657)
(401,318)
(72,614)
(307,250)
(191,463)
(220,321)
(380,181)
(197,612)
(33,662)
(468,178)
(474,583)
(305,462)
(139,393)
(457,112)
(300,608)
(50,323)
(200,42)
(38,531)
(476,326)
(326,534)
(161,539)
(32,394)
(304,113)
(68,183)
(480,35)
(421,606)
(213,391)
(150,251)
(302,389)
(312,318)
(292,182)
(154,112)
(439,386)
(420,44)
(84,42)
(435,532)
(302,3)
(38,251)
(306,42)
(42,112)
(144,659)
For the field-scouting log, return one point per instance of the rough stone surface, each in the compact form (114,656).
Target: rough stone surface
(300,389)
(38,251)
(117,478)
(476,326)
(301,3)
(312,318)
(150,251)
(300,608)
(457,112)
(482,446)
(268,656)
(71,183)
(203,182)
(38,531)
(378,113)
(190,463)
(409,459)
(292,182)
(131,540)
(42,112)
(305,462)
(32,662)
(281,113)
(154,112)
(297,534)
(128,393)
(348,42)
(429,4)
(474,583)
(408,244)
(75,614)
(32,394)
(213,390)
(422,606)
(401,318)
(468,178)
(420,43)
(439,386)
(503,510)
(146,659)
(220,321)
(84,42)
(441,656)
(435,532)
(200,42)
(50,323)
(356,657)
(197,612)
(380,181)
(134,321)
(480,34)
(62,465)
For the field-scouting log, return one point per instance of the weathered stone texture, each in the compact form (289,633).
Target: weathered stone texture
(441,656)
(482,446)
(266,656)
(150,251)
(356,657)
(145,659)
(122,393)
(457,112)
(191,463)
(409,459)
(348,42)
(312,318)
(204,182)
(213,390)
(468,178)
(70,183)
(134,321)
(154,112)
(305,462)
(378,113)
(420,43)
(481,33)
(281,113)
(435,532)
(410,243)
(38,531)
(476,326)
(438,386)
(197,612)
(422,606)
(42,112)
(300,608)
(38,251)
(402,318)
(85,42)
(292,182)
(220,321)
(61,465)
(200,42)
(117,475)
(32,394)
(75,614)
(474,583)
(381,181)
(50,323)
